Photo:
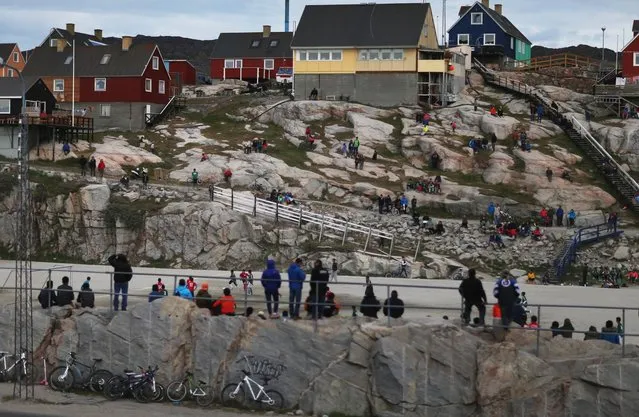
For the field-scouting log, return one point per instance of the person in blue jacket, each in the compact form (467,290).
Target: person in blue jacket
(296,277)
(272,281)
(610,334)
(182,291)
(403,201)
(506,291)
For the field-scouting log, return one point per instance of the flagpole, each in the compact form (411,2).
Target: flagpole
(73,88)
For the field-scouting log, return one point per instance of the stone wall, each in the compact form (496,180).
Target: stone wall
(352,366)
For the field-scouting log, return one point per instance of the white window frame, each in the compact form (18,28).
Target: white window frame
(324,55)
(161,87)
(55,86)
(7,105)
(229,63)
(512,43)
(375,53)
(16,57)
(302,55)
(398,54)
(475,14)
(255,43)
(316,53)
(105,59)
(10,72)
(95,84)
(105,110)
(387,52)
(148,85)
(270,62)
(494,42)
(334,55)
(635,59)
(459,36)
(363,55)
(239,63)
(273,43)
(53,42)
(155,62)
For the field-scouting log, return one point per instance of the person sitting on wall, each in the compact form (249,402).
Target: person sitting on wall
(204,157)
(536,234)
(66,148)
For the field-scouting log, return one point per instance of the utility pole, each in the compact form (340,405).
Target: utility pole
(445,46)
(603,44)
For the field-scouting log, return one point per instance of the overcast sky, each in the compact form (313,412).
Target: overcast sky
(548,23)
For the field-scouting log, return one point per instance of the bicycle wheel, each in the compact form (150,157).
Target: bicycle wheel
(206,399)
(233,396)
(271,400)
(160,393)
(115,388)
(176,391)
(58,381)
(25,373)
(143,392)
(98,379)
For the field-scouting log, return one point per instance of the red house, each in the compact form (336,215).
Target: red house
(251,56)
(630,56)
(118,85)
(182,72)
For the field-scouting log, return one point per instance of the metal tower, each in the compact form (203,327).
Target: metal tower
(23,341)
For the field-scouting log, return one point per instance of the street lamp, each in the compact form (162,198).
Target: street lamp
(603,43)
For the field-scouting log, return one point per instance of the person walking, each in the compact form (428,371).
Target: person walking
(319,286)
(334,271)
(272,281)
(296,277)
(473,294)
(121,277)
(506,291)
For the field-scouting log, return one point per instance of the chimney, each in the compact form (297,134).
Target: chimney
(486,3)
(61,44)
(126,42)
(266,31)
(98,34)
(71,28)
(498,8)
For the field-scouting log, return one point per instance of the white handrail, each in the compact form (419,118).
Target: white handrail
(266,208)
(586,134)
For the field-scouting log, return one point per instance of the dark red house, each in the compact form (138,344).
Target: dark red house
(117,85)
(182,70)
(252,56)
(630,56)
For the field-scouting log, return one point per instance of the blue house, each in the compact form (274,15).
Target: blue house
(491,35)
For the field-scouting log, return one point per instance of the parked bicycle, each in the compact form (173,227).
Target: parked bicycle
(399,273)
(235,395)
(141,385)
(20,369)
(178,390)
(70,375)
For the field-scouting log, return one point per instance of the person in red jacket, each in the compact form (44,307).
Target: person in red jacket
(191,285)
(101,168)
(225,305)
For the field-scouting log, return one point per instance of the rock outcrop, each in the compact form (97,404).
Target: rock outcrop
(351,366)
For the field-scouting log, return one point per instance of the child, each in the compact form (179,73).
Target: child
(453,124)
(191,285)
(87,282)
(233,280)
(161,287)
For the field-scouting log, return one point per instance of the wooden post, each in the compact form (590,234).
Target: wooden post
(419,242)
(321,229)
(368,238)
(231,199)
(254,206)
(344,236)
(277,211)
(390,251)
(299,223)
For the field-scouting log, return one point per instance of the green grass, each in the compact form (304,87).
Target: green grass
(52,185)
(8,181)
(130,213)
(501,190)
(290,154)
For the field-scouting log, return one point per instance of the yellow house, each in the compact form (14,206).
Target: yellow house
(379,54)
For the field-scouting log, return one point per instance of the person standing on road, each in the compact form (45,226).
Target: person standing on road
(272,281)
(319,286)
(296,277)
(121,277)
(334,271)
(472,291)
(506,292)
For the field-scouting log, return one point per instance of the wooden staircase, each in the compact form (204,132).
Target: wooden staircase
(175,104)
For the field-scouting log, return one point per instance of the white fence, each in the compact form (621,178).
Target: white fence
(328,226)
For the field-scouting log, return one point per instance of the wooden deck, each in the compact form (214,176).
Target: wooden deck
(557,60)
(51,121)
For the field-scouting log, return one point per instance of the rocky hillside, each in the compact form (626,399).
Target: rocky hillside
(581,50)
(351,366)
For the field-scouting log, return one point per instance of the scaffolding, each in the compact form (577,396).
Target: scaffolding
(23,332)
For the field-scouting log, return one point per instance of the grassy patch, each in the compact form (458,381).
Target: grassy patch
(130,213)
(290,154)
(52,185)
(8,181)
(501,190)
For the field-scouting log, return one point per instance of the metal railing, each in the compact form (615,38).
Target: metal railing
(585,134)
(249,204)
(387,284)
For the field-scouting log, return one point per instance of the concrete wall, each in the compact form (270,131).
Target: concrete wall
(124,116)
(9,145)
(379,89)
